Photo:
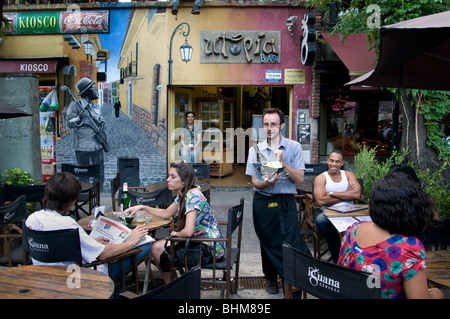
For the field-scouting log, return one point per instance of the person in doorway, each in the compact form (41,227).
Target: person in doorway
(195,218)
(117,107)
(275,214)
(333,188)
(175,4)
(191,139)
(389,245)
(61,192)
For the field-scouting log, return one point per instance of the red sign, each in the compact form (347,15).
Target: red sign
(84,21)
(31,66)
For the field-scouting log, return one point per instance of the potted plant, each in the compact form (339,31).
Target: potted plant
(16,182)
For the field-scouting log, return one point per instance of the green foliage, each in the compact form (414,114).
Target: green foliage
(17,176)
(367,167)
(433,184)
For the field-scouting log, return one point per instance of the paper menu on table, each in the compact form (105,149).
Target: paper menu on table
(342,223)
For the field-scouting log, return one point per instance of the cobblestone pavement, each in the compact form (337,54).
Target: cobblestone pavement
(127,140)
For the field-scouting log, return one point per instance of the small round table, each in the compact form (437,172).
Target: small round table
(54,282)
(154,224)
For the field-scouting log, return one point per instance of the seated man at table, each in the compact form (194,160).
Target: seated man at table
(61,192)
(333,188)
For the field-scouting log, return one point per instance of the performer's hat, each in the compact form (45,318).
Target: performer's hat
(83,85)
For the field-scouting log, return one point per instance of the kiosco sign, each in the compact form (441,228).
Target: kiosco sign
(57,22)
(34,66)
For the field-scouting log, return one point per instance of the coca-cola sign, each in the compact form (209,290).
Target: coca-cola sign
(84,22)
(57,22)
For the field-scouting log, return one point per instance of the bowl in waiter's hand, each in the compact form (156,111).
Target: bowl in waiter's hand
(273,168)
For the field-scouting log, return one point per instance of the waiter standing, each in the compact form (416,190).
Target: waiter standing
(275,214)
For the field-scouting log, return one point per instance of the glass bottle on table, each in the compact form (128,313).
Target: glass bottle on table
(125,198)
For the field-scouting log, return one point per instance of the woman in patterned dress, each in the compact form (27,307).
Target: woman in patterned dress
(389,245)
(195,218)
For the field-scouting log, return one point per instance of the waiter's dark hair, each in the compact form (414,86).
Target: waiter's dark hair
(274,110)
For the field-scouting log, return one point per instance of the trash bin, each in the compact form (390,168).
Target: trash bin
(129,170)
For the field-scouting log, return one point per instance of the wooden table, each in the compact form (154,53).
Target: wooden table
(153,225)
(52,282)
(333,213)
(438,265)
(341,221)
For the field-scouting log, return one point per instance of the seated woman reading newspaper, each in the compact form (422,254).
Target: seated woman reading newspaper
(195,218)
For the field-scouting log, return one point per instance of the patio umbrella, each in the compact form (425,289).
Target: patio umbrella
(7,112)
(413,54)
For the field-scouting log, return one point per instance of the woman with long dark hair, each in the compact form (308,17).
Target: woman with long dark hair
(389,245)
(195,218)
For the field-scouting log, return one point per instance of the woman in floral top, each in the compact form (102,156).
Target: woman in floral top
(388,246)
(195,218)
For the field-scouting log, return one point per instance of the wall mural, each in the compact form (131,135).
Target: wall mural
(107,134)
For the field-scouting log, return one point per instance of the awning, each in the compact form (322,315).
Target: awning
(413,54)
(28,66)
(354,52)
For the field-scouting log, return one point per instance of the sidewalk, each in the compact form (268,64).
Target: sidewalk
(250,264)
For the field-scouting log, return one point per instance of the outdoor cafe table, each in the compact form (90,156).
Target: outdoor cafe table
(53,282)
(341,221)
(438,265)
(153,225)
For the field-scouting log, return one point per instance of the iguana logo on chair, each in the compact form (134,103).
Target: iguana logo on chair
(316,279)
(36,246)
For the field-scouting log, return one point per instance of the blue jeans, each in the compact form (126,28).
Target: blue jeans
(329,232)
(116,267)
(190,156)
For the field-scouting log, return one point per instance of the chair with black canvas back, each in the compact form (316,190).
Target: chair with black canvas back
(90,198)
(11,216)
(325,280)
(229,284)
(55,246)
(187,286)
(33,193)
(115,187)
(160,198)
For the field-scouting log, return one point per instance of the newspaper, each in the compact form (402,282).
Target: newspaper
(115,231)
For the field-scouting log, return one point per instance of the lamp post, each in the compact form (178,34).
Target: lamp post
(185,49)
(88,46)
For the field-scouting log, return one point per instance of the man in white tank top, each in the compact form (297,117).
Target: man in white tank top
(332,188)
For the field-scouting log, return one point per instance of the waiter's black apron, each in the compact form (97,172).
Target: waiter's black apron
(275,219)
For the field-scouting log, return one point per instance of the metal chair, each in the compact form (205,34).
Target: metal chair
(90,198)
(325,280)
(64,246)
(115,187)
(187,286)
(232,255)
(161,198)
(305,199)
(10,215)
